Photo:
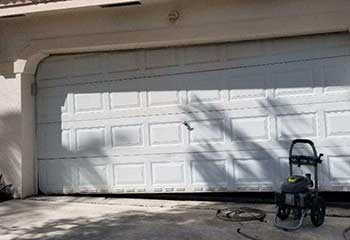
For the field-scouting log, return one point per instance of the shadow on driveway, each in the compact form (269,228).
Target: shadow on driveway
(30,219)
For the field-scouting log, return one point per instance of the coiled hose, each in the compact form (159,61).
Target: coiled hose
(242,214)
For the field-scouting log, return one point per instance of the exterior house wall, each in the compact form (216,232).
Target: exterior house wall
(24,42)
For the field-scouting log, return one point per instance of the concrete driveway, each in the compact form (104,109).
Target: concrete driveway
(99,218)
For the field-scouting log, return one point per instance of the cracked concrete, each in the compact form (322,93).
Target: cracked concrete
(100,218)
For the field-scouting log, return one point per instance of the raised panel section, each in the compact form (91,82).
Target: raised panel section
(251,171)
(290,46)
(92,175)
(205,87)
(207,131)
(202,54)
(161,58)
(209,172)
(52,107)
(124,94)
(339,168)
(204,96)
(158,98)
(337,123)
(87,102)
(293,82)
(58,173)
(127,136)
(168,173)
(53,140)
(244,51)
(337,78)
(250,129)
(55,68)
(122,61)
(246,86)
(129,174)
(165,133)
(163,90)
(90,138)
(297,126)
(125,100)
(87,64)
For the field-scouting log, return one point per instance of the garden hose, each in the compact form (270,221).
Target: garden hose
(246,235)
(242,214)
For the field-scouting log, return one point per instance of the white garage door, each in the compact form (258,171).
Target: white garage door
(113,122)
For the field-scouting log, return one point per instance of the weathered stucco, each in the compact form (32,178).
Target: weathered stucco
(27,40)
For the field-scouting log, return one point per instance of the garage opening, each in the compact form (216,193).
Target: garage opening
(210,118)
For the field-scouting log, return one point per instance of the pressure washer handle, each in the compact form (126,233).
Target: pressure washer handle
(304,141)
(319,158)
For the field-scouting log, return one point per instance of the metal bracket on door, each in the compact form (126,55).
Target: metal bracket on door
(188,126)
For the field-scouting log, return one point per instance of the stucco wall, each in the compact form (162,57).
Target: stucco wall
(10,134)
(25,41)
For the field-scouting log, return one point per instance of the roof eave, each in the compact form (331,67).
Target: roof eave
(57,6)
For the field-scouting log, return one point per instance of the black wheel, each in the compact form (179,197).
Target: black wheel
(318,211)
(283,212)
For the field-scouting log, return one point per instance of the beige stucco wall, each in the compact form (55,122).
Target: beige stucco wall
(26,41)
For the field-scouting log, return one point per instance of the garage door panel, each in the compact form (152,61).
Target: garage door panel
(129,174)
(54,68)
(168,173)
(167,133)
(87,102)
(244,85)
(93,176)
(293,81)
(164,91)
(207,131)
(90,138)
(124,100)
(330,48)
(202,54)
(124,61)
(253,172)
(337,76)
(250,51)
(295,48)
(339,167)
(161,58)
(201,88)
(127,136)
(56,176)
(337,123)
(133,99)
(215,117)
(297,126)
(210,172)
(52,107)
(87,64)
(53,140)
(251,128)
(164,134)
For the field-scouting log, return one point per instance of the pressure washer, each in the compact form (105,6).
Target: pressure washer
(299,195)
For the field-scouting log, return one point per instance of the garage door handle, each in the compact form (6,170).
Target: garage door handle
(188,126)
